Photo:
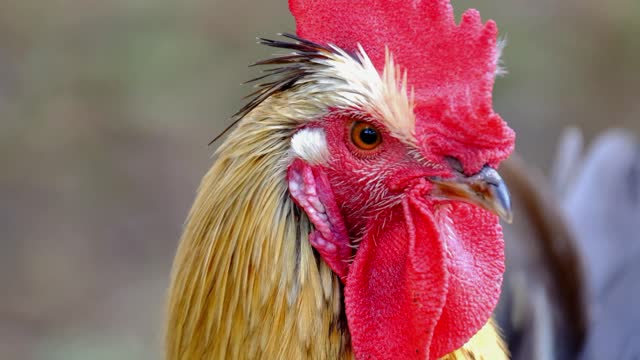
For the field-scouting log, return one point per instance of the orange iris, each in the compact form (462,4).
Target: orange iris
(365,136)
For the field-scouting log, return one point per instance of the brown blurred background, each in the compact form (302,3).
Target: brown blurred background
(106,109)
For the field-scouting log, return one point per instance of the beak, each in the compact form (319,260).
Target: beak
(485,189)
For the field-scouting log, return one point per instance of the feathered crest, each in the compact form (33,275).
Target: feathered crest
(330,77)
(287,70)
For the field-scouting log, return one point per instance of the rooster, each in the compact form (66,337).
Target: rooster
(354,210)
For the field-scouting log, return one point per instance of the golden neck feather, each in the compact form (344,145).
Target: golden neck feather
(246,282)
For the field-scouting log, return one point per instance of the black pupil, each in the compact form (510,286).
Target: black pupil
(369,136)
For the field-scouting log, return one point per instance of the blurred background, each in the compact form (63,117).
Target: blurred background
(107,107)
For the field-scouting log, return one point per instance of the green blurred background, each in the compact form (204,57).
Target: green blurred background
(106,109)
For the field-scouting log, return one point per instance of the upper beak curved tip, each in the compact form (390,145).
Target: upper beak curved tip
(485,189)
(508,218)
(500,201)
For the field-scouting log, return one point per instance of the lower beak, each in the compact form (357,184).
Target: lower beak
(485,189)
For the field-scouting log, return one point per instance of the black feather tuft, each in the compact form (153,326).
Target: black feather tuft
(291,68)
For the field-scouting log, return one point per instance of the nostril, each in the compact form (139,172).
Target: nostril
(454,163)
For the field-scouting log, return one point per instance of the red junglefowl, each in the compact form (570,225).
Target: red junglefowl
(353,211)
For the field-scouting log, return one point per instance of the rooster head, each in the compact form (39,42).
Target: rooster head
(393,160)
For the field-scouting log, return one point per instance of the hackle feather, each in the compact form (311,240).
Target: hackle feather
(246,283)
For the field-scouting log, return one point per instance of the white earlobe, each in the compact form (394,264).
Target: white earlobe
(310,145)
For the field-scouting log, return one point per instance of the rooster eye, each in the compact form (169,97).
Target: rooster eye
(365,136)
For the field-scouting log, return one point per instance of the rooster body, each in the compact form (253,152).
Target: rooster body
(353,211)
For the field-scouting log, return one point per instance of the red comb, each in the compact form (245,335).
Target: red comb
(422,36)
(450,67)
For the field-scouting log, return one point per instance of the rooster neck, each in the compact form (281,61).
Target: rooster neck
(246,282)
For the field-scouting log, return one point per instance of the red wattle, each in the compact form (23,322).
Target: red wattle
(425,282)
(475,266)
(396,288)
